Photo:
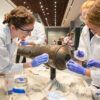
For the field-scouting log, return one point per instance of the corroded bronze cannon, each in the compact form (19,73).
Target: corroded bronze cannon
(58,54)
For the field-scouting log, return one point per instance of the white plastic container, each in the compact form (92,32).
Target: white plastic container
(20,83)
(19,94)
(19,90)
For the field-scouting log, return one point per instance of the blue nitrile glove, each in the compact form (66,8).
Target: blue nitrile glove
(9,92)
(93,63)
(80,53)
(24,43)
(41,59)
(75,67)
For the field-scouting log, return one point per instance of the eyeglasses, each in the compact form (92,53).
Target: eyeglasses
(26,30)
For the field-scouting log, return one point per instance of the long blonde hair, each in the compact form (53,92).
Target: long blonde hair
(93,15)
(87,4)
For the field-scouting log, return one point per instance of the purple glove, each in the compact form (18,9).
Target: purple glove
(41,59)
(80,54)
(24,43)
(93,63)
(75,67)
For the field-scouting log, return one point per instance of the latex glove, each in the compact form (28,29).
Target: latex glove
(41,59)
(9,92)
(75,67)
(24,43)
(80,53)
(93,63)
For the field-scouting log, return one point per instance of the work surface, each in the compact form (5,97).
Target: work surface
(66,86)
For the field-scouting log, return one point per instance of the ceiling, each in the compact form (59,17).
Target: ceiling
(51,12)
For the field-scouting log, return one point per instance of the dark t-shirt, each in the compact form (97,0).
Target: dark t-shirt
(91,34)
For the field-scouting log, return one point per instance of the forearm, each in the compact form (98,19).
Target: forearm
(27,65)
(32,43)
(88,72)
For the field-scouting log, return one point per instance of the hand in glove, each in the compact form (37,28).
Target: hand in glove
(75,67)
(93,63)
(41,59)
(80,53)
(24,43)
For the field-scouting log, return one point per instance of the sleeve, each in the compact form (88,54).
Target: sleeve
(5,63)
(41,36)
(81,40)
(38,35)
(82,44)
(17,68)
(4,55)
(95,75)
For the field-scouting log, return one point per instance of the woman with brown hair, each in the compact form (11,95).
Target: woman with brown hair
(19,24)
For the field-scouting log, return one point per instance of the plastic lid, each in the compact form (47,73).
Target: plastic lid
(19,91)
(21,80)
(80,58)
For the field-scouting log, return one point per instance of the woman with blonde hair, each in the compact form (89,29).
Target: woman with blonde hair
(93,22)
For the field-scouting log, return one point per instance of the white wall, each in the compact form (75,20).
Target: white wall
(73,13)
(5,7)
(54,35)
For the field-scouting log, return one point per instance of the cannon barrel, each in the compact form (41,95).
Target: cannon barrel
(58,54)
